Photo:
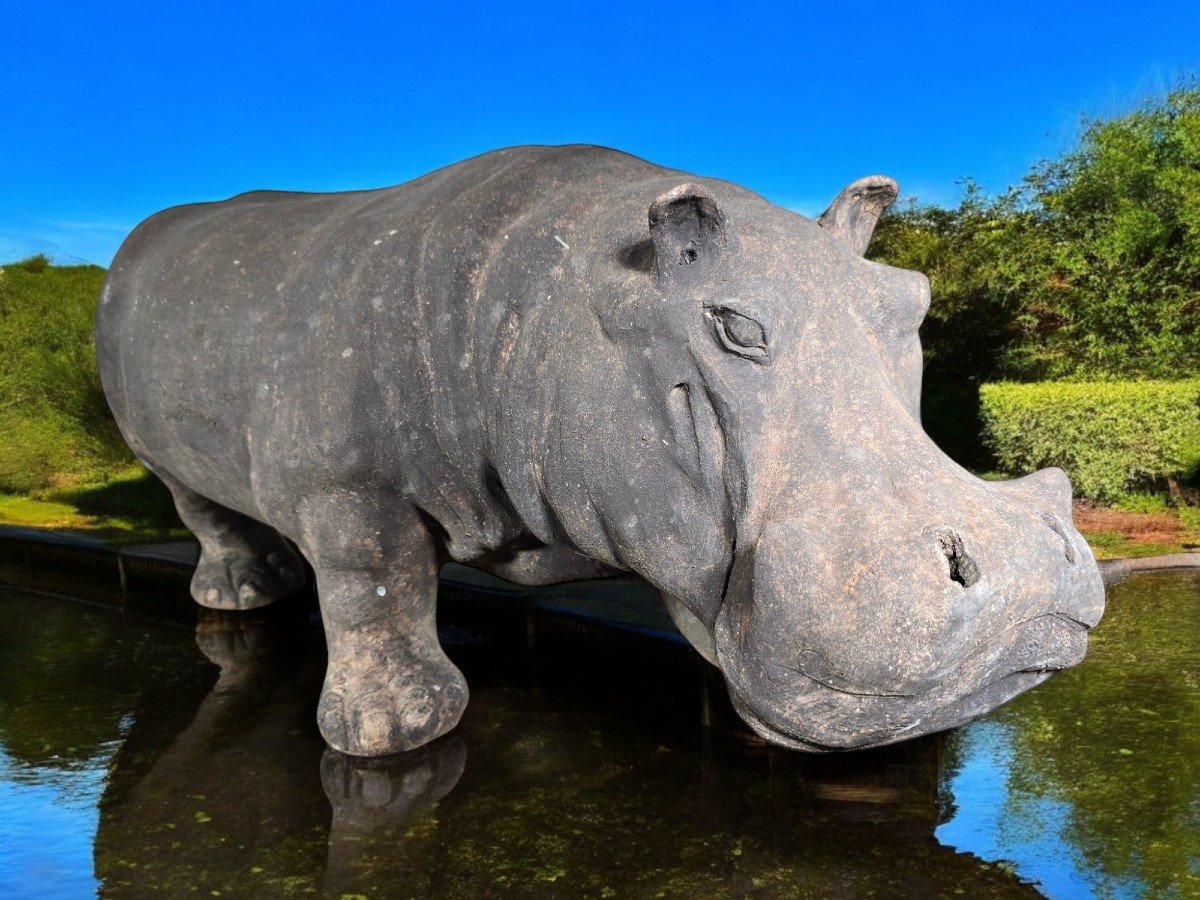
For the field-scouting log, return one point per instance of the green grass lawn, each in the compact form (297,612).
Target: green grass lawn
(131,507)
(1114,545)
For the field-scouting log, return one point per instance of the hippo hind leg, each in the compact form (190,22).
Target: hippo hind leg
(389,686)
(244,564)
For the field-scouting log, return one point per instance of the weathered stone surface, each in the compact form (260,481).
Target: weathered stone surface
(557,363)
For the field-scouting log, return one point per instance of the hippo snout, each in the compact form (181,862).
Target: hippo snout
(832,636)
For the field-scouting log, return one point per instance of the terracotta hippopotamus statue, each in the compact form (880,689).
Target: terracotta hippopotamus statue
(556,363)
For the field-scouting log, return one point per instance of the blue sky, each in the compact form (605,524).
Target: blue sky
(109,112)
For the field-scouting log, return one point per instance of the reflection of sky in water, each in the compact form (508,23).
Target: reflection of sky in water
(48,819)
(998,822)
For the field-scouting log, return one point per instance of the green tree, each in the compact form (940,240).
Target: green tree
(1090,268)
(1122,296)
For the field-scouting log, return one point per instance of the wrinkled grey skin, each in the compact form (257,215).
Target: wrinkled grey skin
(557,362)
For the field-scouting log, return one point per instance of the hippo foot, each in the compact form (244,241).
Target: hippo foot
(237,581)
(373,705)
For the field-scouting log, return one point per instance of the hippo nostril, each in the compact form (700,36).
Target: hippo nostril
(963,569)
(1053,523)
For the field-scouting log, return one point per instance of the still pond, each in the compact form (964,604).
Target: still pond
(138,757)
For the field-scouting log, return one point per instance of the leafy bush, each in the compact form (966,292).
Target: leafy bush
(1110,437)
(54,422)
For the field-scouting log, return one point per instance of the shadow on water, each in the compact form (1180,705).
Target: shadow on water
(584,774)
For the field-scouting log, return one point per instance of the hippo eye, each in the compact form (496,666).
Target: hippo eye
(740,334)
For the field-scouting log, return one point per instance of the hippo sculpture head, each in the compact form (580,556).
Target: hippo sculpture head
(558,362)
(748,437)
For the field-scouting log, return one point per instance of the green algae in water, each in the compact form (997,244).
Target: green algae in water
(590,775)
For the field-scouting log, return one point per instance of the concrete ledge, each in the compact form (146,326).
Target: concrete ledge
(65,564)
(1114,570)
(153,579)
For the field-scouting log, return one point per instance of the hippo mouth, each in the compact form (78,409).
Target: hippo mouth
(859,720)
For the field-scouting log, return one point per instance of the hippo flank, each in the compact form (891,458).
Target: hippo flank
(556,363)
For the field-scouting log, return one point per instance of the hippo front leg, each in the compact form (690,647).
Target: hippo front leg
(388,687)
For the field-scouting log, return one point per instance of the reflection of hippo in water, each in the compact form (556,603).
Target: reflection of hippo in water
(596,782)
(220,784)
(499,363)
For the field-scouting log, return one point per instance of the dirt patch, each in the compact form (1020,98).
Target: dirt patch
(1118,533)
(1149,528)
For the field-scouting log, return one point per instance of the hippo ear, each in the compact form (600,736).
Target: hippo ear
(688,231)
(852,216)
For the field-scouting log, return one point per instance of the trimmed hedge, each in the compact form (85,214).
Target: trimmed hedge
(1110,437)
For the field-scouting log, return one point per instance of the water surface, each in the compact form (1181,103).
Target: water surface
(139,757)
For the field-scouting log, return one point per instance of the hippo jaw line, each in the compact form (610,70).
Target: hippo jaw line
(907,716)
(953,715)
